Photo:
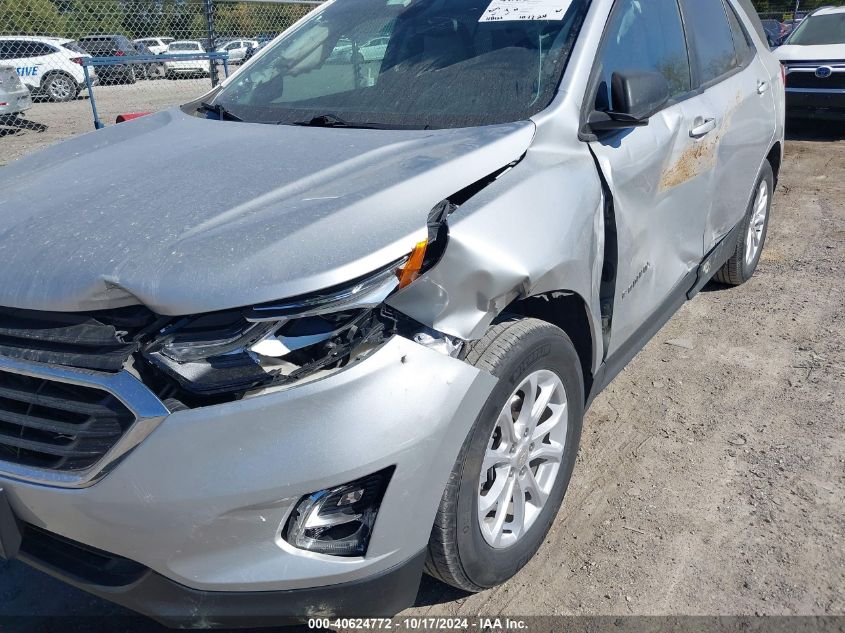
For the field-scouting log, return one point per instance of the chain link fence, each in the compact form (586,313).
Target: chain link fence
(48,41)
(781,16)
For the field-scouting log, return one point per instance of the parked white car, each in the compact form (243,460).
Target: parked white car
(374,50)
(14,96)
(156,45)
(237,49)
(172,69)
(48,66)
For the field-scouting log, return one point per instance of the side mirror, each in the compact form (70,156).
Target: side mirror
(636,96)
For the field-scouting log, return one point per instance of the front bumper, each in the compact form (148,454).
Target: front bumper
(172,604)
(201,502)
(815,103)
(187,67)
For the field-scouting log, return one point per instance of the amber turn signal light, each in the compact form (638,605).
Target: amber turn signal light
(413,267)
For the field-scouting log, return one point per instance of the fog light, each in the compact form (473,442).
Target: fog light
(338,521)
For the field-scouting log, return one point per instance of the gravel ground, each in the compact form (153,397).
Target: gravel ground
(711,478)
(47,123)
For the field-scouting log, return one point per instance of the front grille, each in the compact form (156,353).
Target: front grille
(57,426)
(102,341)
(809,80)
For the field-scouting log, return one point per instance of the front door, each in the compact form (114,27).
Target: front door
(659,175)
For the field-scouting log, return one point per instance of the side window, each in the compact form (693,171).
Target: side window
(18,49)
(712,39)
(29,49)
(6,50)
(41,49)
(644,35)
(745,49)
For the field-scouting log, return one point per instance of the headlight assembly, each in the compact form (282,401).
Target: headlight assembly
(238,351)
(232,353)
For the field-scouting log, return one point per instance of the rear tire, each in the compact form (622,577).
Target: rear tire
(60,87)
(467,548)
(752,239)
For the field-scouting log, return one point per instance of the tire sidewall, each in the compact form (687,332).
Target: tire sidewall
(547,349)
(766,175)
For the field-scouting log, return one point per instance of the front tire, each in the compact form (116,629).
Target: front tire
(515,466)
(743,263)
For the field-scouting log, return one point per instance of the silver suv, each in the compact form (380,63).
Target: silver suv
(246,391)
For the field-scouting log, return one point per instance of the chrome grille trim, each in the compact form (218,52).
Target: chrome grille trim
(148,410)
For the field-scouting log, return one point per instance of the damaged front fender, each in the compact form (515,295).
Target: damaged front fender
(538,228)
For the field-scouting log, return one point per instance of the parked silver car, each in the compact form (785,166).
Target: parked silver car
(14,96)
(244,391)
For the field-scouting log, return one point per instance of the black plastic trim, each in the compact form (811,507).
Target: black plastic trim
(175,605)
(717,258)
(617,361)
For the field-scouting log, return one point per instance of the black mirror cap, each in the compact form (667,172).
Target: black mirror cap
(638,93)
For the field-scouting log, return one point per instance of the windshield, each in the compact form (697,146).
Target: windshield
(820,29)
(410,64)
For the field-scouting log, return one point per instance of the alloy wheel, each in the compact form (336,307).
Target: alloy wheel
(60,88)
(523,459)
(754,239)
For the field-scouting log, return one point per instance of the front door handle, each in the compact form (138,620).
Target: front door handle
(702,127)
(762,87)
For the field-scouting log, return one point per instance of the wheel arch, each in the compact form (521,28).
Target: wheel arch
(775,158)
(570,312)
(56,71)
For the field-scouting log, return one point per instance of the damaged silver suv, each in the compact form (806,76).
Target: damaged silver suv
(350,331)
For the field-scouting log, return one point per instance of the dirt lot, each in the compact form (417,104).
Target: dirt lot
(48,123)
(712,472)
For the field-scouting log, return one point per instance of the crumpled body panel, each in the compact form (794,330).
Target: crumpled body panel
(537,229)
(88,225)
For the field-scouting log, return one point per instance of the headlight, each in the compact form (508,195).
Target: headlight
(238,351)
(242,350)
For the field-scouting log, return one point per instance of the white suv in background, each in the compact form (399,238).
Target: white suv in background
(48,66)
(193,67)
(237,49)
(156,45)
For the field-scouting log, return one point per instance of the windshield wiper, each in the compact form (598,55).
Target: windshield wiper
(331,120)
(220,110)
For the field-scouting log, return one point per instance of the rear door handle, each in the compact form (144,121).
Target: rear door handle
(762,87)
(703,127)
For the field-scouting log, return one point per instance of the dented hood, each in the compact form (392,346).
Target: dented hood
(187,215)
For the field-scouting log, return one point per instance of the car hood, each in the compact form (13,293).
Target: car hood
(827,52)
(188,215)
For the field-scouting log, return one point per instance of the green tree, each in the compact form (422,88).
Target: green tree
(89,17)
(30,17)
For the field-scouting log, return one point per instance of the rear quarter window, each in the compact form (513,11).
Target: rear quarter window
(74,47)
(745,49)
(749,10)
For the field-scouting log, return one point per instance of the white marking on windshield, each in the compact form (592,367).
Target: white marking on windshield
(512,10)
